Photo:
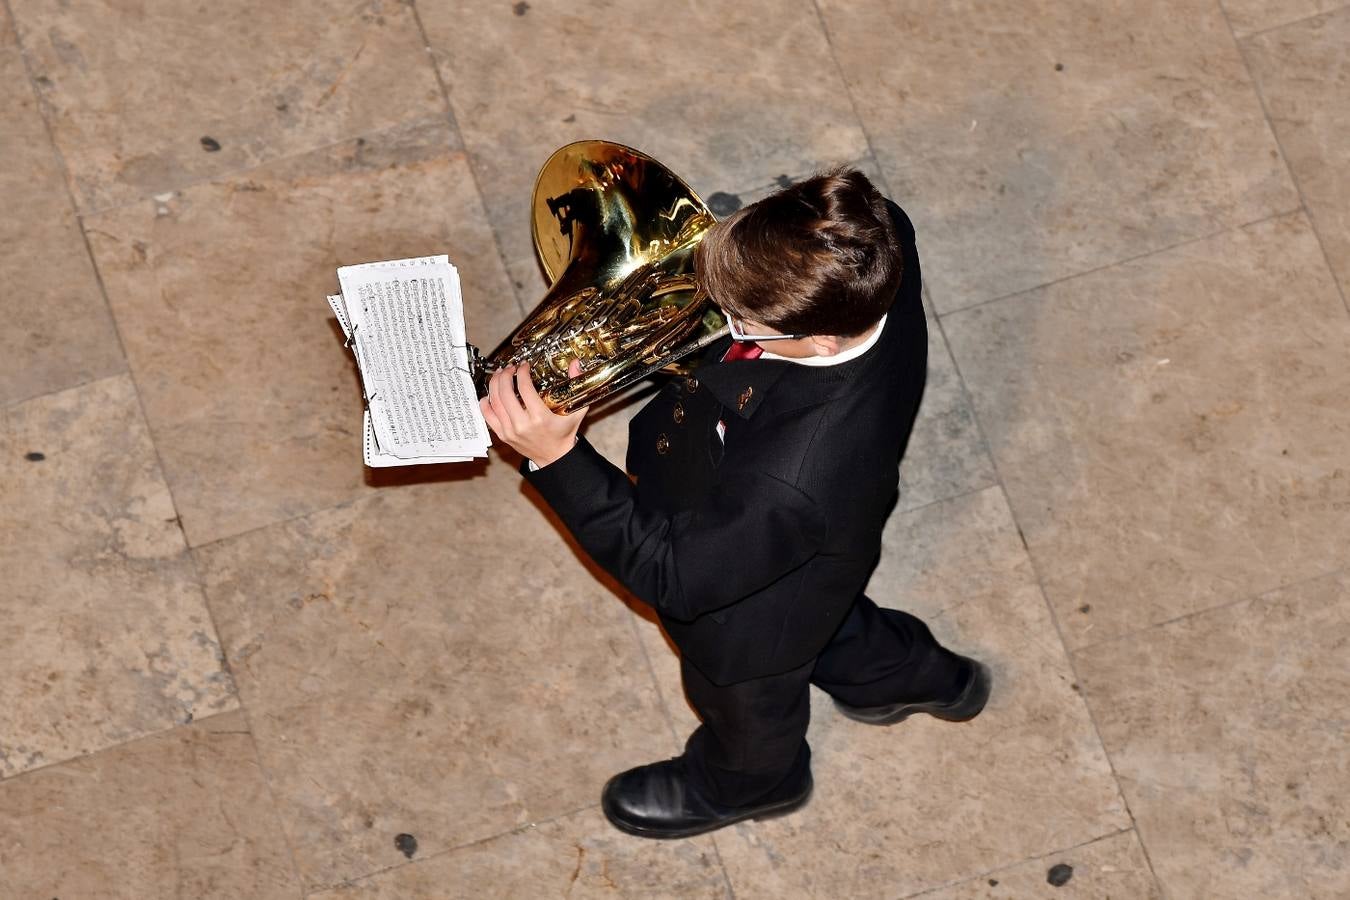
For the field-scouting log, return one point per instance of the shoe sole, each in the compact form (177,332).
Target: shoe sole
(964,708)
(768,811)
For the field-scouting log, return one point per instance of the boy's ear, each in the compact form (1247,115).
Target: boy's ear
(826,344)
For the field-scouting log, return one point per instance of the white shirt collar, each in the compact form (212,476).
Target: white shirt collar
(851,353)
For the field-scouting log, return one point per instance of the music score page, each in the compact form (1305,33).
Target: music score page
(404,320)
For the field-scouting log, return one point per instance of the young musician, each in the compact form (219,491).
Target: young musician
(762,485)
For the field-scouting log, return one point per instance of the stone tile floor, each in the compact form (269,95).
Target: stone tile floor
(234,664)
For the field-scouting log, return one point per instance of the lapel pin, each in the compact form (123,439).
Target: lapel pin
(744,398)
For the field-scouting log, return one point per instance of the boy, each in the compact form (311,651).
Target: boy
(762,485)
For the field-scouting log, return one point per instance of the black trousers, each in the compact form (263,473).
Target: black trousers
(751,746)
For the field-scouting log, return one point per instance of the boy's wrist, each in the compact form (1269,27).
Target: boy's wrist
(539,461)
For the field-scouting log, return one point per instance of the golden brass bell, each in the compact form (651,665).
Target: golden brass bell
(615,233)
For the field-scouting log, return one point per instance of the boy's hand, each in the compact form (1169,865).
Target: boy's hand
(525,422)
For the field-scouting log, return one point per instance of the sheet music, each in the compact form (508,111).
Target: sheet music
(377,459)
(404,320)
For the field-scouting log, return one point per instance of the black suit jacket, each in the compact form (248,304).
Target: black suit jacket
(753,550)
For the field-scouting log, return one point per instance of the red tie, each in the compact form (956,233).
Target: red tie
(742,350)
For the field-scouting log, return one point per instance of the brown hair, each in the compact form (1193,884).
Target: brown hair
(819,257)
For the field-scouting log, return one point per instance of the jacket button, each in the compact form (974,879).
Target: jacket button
(662,444)
(678,414)
(691,384)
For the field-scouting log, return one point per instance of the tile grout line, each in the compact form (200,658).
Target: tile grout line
(1269,28)
(899,511)
(1023,292)
(138,739)
(1227,604)
(341,504)
(1021,862)
(1279,145)
(159,460)
(15,404)
(453,121)
(1059,631)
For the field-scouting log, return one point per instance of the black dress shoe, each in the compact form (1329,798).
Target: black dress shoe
(658,801)
(967,705)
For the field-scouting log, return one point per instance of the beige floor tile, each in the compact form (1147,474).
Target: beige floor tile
(104,634)
(900,809)
(1171,432)
(1227,730)
(219,292)
(1249,16)
(728,95)
(1113,868)
(577,856)
(135,89)
(1304,73)
(1019,174)
(57,330)
(432,661)
(178,815)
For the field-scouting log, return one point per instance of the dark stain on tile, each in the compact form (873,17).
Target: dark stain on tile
(723,204)
(34,456)
(1059,67)
(210,144)
(1085,608)
(406,843)
(521,8)
(1059,874)
(571,118)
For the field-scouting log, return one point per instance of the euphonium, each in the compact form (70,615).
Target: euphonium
(615,233)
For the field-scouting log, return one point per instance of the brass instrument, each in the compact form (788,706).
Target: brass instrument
(615,233)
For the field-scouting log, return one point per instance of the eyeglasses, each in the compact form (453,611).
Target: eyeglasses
(738,335)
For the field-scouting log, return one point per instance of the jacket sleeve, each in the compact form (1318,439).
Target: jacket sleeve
(745,537)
